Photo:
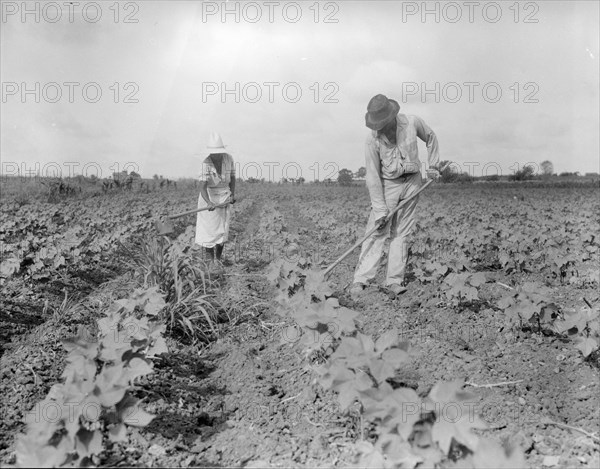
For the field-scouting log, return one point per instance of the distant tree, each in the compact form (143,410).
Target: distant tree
(128,184)
(361,173)
(528,172)
(120,176)
(300,180)
(345,177)
(135,175)
(107,184)
(450,174)
(547,168)
(155,177)
(465,177)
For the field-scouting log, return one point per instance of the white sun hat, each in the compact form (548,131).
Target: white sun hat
(215,144)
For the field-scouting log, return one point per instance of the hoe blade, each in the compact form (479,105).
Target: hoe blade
(163,227)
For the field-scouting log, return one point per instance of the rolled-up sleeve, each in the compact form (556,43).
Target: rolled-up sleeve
(425,133)
(373,179)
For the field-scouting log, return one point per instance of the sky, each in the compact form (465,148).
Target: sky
(94,87)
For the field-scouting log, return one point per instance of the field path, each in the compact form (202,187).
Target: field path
(249,396)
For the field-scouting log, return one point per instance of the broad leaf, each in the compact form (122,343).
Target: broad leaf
(454,419)
(88,443)
(117,433)
(136,368)
(135,416)
(586,345)
(477,279)
(387,340)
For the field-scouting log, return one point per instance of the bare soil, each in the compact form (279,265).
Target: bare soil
(250,400)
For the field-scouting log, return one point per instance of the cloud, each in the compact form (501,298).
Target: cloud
(379,76)
(170,53)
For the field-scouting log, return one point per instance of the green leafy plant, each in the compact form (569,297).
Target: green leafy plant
(530,304)
(462,287)
(559,263)
(184,278)
(359,364)
(305,297)
(409,431)
(584,326)
(406,430)
(430,271)
(67,428)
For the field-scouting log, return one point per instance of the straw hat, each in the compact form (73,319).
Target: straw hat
(215,144)
(380,111)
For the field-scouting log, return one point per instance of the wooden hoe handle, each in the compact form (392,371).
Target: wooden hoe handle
(189,212)
(374,229)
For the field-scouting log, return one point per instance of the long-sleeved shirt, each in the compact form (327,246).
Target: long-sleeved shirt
(387,161)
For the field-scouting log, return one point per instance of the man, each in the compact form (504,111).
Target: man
(393,174)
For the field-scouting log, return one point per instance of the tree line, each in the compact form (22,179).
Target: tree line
(451,175)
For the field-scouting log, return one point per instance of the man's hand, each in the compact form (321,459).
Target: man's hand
(433,173)
(211,206)
(231,199)
(380,223)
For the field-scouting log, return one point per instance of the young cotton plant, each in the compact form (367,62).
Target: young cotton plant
(584,325)
(412,430)
(435,431)
(559,263)
(532,304)
(431,271)
(359,364)
(67,427)
(407,430)
(305,297)
(529,304)
(515,254)
(462,287)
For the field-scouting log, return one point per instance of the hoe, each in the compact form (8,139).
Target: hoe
(164,228)
(387,219)
(374,229)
